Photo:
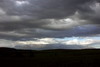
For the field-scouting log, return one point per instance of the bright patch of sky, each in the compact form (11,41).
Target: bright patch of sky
(85,41)
(78,38)
(96,46)
(88,42)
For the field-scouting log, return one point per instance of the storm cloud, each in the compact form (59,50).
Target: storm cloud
(30,19)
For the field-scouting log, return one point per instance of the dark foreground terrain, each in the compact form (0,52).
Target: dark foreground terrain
(50,58)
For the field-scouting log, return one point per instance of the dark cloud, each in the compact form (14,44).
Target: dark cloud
(90,11)
(28,34)
(13,26)
(86,30)
(48,18)
(42,8)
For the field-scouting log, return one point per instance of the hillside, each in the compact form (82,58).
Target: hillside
(46,58)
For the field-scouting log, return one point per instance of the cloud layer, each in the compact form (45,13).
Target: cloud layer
(29,19)
(52,43)
(65,15)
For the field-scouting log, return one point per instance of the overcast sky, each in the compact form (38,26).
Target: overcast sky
(50,24)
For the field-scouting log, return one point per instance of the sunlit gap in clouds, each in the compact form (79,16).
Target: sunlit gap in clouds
(83,41)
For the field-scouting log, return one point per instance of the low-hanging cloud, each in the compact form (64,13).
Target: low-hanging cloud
(52,43)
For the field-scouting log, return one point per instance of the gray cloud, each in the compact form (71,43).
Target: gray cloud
(42,8)
(48,18)
(27,34)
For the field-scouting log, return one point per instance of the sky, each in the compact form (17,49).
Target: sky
(50,24)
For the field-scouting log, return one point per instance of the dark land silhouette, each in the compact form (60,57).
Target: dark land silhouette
(50,58)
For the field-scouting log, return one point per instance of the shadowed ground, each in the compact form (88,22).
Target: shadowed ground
(50,58)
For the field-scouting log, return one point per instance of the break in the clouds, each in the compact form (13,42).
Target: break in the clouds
(30,19)
(53,43)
